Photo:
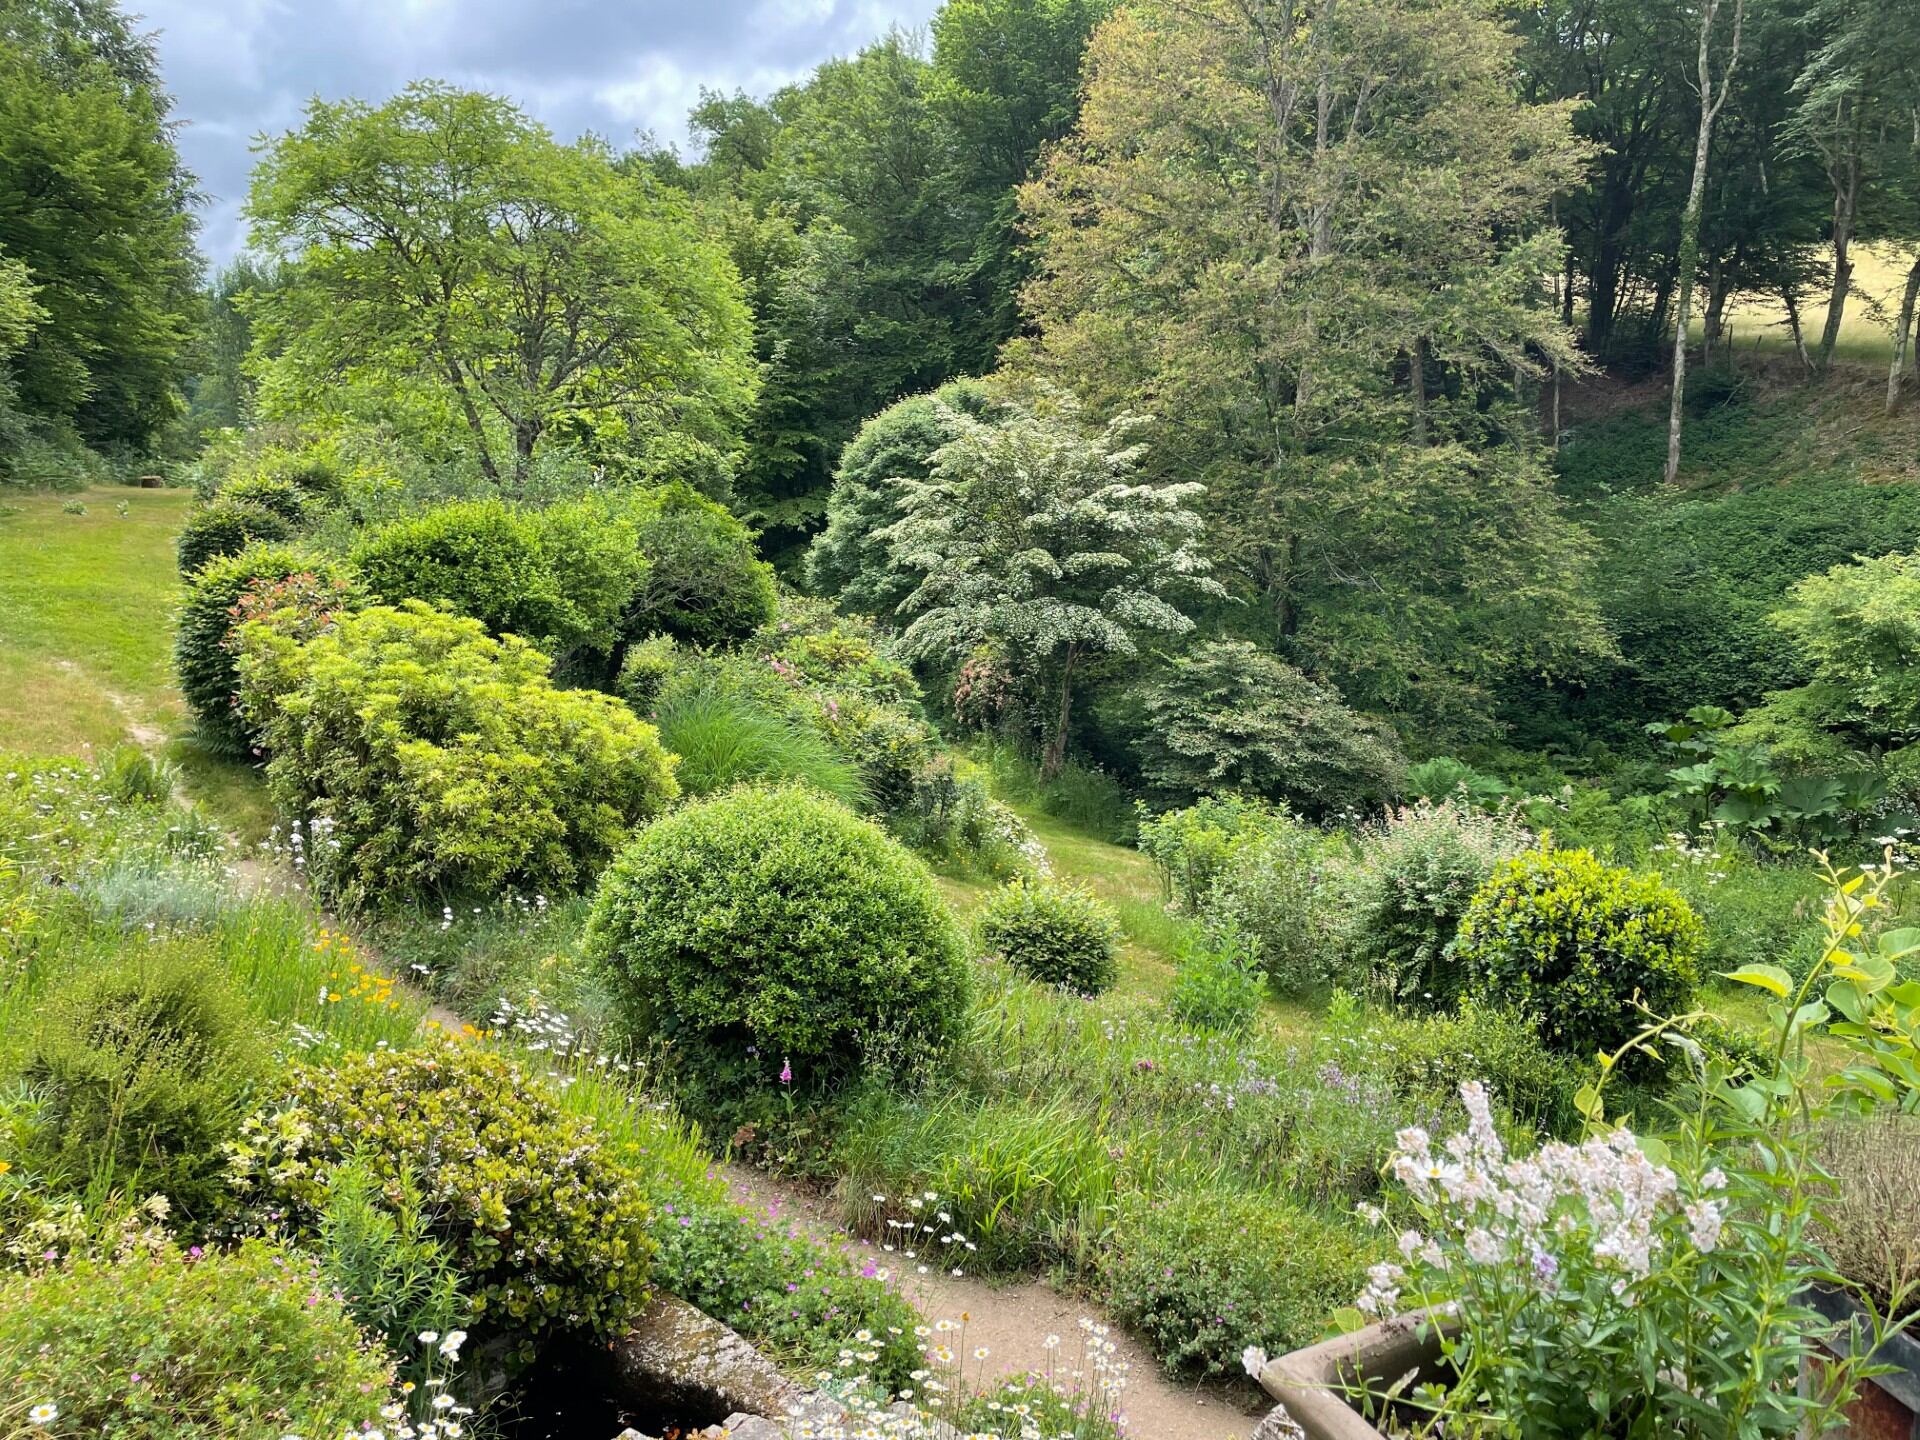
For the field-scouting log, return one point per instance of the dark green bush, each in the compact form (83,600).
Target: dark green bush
(546,1228)
(243,1344)
(704,584)
(1058,934)
(1572,942)
(1233,717)
(204,657)
(225,528)
(1280,895)
(1419,869)
(430,758)
(772,925)
(1201,1275)
(142,1070)
(269,492)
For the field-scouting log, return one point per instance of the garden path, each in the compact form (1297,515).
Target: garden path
(1013,1322)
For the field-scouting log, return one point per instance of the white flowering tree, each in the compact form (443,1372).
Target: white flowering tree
(1035,541)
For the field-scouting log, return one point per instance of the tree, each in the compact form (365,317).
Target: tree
(849,560)
(1314,239)
(1712,97)
(1035,542)
(446,241)
(95,204)
(1231,717)
(19,315)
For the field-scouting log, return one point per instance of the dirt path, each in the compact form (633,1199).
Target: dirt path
(1013,1322)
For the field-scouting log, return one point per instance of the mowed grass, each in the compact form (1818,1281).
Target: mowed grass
(87,606)
(86,614)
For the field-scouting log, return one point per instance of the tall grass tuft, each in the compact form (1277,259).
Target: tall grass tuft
(724,739)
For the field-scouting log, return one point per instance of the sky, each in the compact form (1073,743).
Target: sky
(237,68)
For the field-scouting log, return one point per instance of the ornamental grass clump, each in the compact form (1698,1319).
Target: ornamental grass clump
(547,1230)
(771,938)
(1577,945)
(1058,934)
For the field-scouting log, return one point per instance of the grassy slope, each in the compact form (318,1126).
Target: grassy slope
(1759,322)
(87,605)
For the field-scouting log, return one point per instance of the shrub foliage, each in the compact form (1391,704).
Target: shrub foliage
(1059,934)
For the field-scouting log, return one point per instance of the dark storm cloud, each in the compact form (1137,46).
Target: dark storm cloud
(240,67)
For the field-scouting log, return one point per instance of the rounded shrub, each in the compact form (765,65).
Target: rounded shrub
(269,492)
(142,1071)
(704,582)
(204,657)
(1571,942)
(1202,1275)
(1058,934)
(645,670)
(765,926)
(436,760)
(1419,869)
(479,558)
(224,528)
(169,1346)
(546,1228)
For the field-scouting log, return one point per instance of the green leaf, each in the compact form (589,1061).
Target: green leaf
(1770,978)
(1897,943)
(1654,1149)
(1844,997)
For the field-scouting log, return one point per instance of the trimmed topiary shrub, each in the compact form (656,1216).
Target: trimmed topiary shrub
(704,582)
(547,1230)
(169,1346)
(204,656)
(771,932)
(1571,942)
(1202,1275)
(141,1070)
(269,492)
(479,558)
(1419,869)
(1058,934)
(225,528)
(432,759)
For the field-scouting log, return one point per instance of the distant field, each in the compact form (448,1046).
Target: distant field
(1879,275)
(86,612)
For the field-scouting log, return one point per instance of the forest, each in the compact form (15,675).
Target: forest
(1244,670)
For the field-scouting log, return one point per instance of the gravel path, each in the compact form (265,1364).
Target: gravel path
(1013,1322)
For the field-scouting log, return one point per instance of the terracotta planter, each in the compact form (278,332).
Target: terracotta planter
(1312,1382)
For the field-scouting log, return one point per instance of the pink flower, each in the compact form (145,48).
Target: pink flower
(786,1072)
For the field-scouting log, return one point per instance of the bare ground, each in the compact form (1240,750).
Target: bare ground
(1012,1322)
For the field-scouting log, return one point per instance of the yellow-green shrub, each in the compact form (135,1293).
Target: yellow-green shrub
(546,1228)
(1571,942)
(433,758)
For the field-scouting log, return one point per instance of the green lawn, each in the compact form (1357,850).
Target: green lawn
(86,616)
(87,605)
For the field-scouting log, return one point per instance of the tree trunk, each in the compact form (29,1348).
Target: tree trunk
(526,435)
(1055,757)
(1689,256)
(1715,319)
(1790,298)
(1846,201)
(1417,387)
(1902,337)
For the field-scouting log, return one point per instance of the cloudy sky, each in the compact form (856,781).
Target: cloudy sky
(240,67)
